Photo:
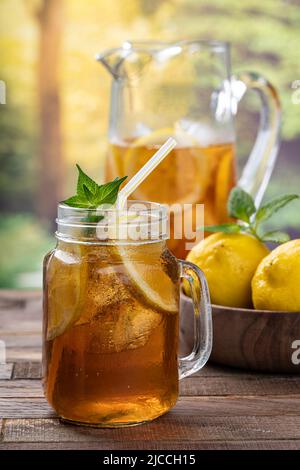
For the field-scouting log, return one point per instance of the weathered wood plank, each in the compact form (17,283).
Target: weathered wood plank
(214,370)
(20,314)
(192,429)
(156,445)
(16,295)
(237,406)
(33,370)
(17,340)
(241,385)
(17,314)
(21,354)
(6,371)
(20,324)
(212,386)
(25,408)
(187,406)
(27,370)
(20,388)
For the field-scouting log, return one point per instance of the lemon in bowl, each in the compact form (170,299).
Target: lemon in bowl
(229,262)
(276,283)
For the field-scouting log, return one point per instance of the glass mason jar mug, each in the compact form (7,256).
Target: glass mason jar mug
(111,317)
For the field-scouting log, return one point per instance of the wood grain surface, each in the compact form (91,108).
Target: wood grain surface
(219,407)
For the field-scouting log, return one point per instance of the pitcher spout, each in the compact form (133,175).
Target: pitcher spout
(129,60)
(112,59)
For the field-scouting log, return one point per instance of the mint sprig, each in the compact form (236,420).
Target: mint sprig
(241,206)
(91,195)
(266,211)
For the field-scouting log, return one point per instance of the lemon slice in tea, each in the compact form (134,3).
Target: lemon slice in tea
(150,281)
(67,277)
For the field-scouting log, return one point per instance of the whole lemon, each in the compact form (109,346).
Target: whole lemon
(229,262)
(276,283)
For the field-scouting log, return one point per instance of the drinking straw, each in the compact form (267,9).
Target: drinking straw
(145,171)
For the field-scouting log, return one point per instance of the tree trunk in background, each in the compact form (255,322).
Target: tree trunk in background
(50,18)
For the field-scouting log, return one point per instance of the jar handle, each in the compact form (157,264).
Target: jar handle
(260,164)
(202,320)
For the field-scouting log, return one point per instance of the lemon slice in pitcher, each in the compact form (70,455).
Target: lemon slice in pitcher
(67,277)
(177,178)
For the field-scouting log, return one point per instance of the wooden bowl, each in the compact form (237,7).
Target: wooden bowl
(249,339)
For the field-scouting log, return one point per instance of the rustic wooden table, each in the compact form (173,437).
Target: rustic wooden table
(219,408)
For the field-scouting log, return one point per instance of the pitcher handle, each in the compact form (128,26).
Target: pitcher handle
(202,320)
(260,164)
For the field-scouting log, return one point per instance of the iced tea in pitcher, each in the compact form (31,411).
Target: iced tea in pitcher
(185,89)
(190,174)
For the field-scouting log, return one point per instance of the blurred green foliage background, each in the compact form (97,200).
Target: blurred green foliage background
(47,50)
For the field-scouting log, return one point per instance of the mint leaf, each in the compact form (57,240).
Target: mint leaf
(240,205)
(275,237)
(225,228)
(76,201)
(108,193)
(85,180)
(90,195)
(268,209)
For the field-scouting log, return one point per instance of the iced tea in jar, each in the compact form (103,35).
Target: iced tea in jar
(111,317)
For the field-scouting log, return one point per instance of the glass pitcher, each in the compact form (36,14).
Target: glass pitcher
(111,317)
(185,89)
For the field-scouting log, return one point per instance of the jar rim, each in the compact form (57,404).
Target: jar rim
(151,205)
(138,222)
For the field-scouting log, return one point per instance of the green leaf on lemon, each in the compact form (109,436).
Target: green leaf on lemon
(240,204)
(275,237)
(267,210)
(225,228)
